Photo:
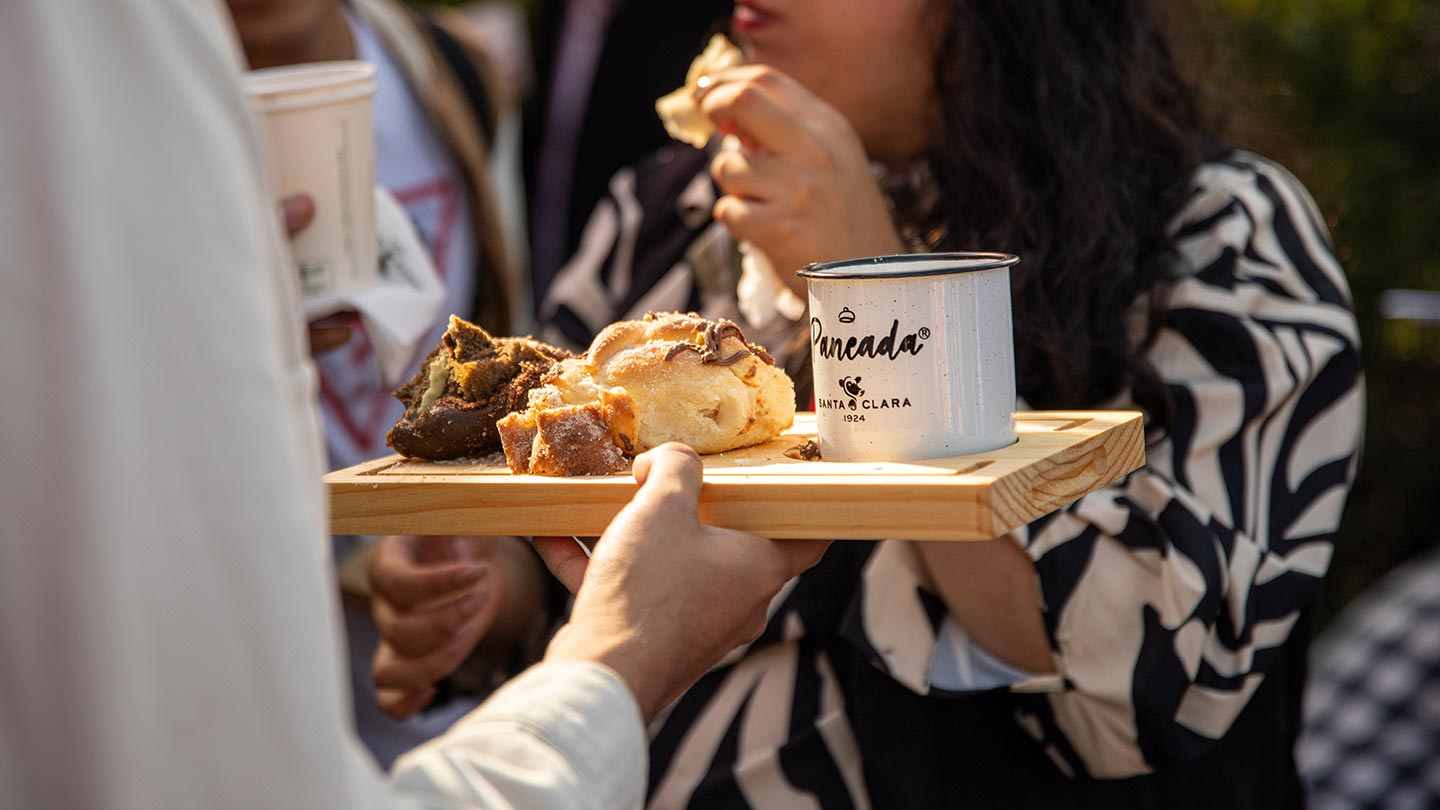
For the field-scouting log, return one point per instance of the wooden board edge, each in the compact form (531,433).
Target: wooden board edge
(363,469)
(1068,474)
(1000,509)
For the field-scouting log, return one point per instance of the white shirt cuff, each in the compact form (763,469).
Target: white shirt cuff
(961,665)
(562,734)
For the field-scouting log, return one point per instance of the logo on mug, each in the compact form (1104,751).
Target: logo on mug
(892,345)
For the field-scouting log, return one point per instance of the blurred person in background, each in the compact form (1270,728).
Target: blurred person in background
(1143,647)
(167,612)
(600,66)
(437,110)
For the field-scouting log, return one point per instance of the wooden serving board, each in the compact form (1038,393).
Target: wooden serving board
(1060,456)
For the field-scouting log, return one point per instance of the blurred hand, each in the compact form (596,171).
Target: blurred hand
(665,598)
(434,600)
(800,189)
(328,333)
(299,211)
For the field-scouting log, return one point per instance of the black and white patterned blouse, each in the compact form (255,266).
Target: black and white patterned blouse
(1176,600)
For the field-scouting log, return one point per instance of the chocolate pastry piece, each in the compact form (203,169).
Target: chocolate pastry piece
(469,382)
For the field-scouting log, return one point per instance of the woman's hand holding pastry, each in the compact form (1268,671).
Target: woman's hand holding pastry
(800,189)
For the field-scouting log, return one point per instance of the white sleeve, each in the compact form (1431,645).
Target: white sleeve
(168,616)
(561,735)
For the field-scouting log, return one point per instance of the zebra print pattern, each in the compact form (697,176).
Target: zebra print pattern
(1167,594)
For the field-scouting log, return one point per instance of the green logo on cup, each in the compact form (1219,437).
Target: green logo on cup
(314,277)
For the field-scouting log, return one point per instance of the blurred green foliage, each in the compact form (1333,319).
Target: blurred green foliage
(1347,94)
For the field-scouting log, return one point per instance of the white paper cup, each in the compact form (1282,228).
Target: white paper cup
(913,355)
(323,142)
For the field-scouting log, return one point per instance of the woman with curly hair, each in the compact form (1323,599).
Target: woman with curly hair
(1143,647)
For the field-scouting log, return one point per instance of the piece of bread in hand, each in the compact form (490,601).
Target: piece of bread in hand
(679,111)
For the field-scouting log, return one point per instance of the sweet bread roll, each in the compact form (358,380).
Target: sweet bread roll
(463,387)
(669,377)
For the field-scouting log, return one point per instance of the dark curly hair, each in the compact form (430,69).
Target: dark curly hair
(1066,135)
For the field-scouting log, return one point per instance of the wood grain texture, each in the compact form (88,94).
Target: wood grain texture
(1060,456)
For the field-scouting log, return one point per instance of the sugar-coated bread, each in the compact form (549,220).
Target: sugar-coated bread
(569,439)
(691,380)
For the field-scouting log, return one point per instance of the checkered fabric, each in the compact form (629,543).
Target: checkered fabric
(1372,736)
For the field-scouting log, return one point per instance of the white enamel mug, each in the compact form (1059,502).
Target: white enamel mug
(913,355)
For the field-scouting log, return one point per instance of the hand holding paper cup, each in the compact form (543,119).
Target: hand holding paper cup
(913,355)
(322,133)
